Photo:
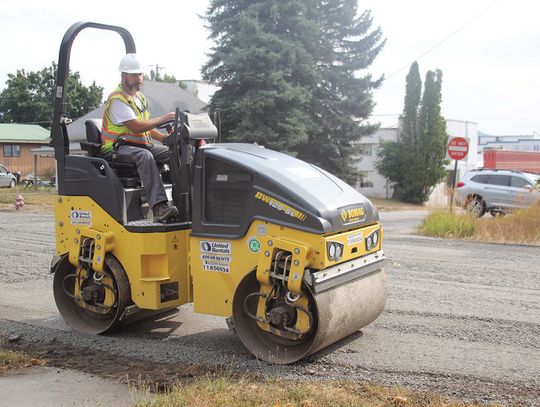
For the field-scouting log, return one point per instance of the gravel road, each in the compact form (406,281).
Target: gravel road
(462,318)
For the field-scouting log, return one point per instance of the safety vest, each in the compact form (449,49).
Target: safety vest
(110,131)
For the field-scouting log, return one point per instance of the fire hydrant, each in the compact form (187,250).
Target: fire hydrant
(19,202)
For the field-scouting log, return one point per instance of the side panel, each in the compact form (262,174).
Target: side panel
(149,259)
(219,265)
(89,176)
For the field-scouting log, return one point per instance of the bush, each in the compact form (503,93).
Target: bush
(521,226)
(446,224)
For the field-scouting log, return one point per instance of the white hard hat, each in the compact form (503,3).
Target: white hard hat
(130,64)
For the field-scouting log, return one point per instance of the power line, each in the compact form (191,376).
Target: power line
(446,38)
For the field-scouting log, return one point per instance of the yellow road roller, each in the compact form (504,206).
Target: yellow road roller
(290,254)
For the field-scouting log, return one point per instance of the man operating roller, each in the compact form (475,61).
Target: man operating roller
(126,115)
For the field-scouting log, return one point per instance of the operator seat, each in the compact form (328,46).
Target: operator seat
(122,165)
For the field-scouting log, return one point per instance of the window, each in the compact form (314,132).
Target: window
(502,180)
(363,180)
(481,179)
(518,182)
(12,150)
(366,150)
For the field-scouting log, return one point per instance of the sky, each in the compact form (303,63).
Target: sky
(488,50)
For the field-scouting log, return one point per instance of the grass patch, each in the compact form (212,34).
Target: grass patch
(521,226)
(445,224)
(43,198)
(12,360)
(234,391)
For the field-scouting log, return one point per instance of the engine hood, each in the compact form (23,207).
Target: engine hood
(282,189)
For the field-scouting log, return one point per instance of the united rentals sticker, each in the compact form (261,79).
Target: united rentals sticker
(351,214)
(80,217)
(280,206)
(216,247)
(216,256)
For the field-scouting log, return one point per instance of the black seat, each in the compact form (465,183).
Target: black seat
(123,165)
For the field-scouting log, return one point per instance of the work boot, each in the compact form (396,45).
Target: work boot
(163,212)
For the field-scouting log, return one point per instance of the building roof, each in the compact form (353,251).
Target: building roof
(23,133)
(162,98)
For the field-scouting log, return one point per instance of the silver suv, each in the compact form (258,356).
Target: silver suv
(7,179)
(497,191)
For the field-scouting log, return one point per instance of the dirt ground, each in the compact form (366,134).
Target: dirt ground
(117,368)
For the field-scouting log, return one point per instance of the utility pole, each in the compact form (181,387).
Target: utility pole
(158,67)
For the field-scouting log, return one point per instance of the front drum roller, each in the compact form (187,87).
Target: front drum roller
(337,312)
(86,320)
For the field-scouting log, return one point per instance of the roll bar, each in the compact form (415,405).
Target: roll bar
(59,135)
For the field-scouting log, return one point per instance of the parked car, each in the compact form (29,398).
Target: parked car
(497,191)
(7,178)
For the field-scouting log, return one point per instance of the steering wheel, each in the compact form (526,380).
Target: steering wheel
(167,126)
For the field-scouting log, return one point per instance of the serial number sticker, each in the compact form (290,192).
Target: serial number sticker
(215,258)
(220,268)
(354,238)
(80,217)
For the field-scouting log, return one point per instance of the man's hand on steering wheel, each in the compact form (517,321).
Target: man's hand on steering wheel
(167,122)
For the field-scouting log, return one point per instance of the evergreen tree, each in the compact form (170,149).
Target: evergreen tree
(28,97)
(415,163)
(432,134)
(413,94)
(341,101)
(287,71)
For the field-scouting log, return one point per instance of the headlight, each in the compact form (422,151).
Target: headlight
(372,240)
(334,251)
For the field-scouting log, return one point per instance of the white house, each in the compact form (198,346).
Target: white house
(373,184)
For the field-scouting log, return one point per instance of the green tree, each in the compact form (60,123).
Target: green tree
(158,77)
(288,76)
(28,96)
(415,162)
(413,95)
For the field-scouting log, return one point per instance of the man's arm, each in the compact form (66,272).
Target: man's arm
(140,126)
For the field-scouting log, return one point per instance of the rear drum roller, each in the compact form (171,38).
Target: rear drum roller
(93,318)
(336,313)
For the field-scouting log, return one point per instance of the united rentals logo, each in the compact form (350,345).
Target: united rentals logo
(352,214)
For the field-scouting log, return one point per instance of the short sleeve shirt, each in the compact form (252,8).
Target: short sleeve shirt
(121,112)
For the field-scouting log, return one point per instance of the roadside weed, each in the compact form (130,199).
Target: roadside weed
(521,226)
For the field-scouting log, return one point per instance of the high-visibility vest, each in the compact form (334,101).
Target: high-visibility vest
(110,131)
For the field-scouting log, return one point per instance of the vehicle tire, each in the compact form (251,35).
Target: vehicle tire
(12,183)
(476,206)
(85,320)
(495,213)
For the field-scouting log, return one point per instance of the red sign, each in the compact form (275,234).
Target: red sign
(458,148)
